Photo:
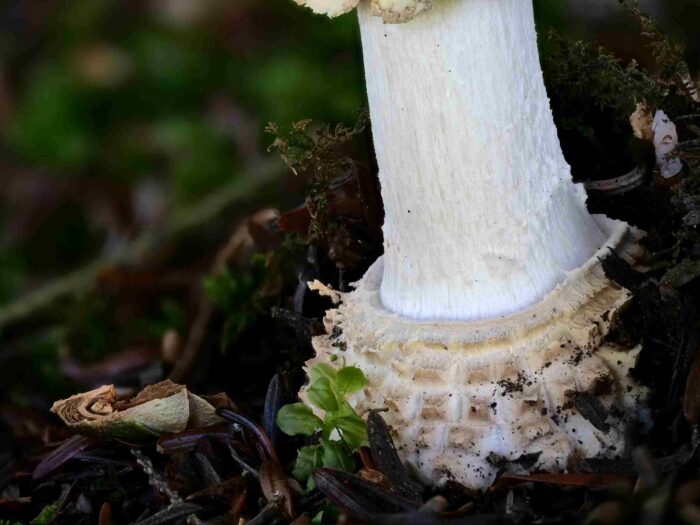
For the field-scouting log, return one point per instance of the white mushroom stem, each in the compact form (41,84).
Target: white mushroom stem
(481,329)
(482,217)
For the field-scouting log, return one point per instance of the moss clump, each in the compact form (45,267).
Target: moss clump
(343,211)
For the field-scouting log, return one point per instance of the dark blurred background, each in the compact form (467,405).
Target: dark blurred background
(118,117)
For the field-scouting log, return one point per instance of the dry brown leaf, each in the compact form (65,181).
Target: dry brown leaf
(157,409)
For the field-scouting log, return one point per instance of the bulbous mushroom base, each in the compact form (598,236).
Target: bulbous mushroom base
(532,391)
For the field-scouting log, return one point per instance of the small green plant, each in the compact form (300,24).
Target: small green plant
(47,515)
(341,430)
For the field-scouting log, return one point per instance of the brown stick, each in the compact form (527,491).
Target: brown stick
(253,180)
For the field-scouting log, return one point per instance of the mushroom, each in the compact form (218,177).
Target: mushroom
(481,327)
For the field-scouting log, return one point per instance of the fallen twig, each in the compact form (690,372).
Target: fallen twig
(245,186)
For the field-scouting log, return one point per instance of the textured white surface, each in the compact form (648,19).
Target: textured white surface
(460,396)
(482,218)
(400,11)
(331,8)
(391,11)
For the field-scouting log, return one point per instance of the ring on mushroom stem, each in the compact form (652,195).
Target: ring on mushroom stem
(481,327)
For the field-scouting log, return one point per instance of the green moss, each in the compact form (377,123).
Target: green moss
(46,515)
(237,295)
(52,126)
(320,160)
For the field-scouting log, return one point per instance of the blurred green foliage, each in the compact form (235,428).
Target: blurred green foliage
(120,88)
(237,297)
(98,96)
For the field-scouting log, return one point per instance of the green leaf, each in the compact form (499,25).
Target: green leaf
(308,460)
(46,515)
(322,370)
(351,379)
(345,410)
(296,419)
(353,429)
(322,395)
(335,455)
(221,289)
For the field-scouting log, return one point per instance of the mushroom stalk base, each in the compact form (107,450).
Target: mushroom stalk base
(534,390)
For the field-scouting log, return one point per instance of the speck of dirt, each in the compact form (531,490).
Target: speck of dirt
(336,332)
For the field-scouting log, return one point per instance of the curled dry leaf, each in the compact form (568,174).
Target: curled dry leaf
(157,409)
(642,121)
